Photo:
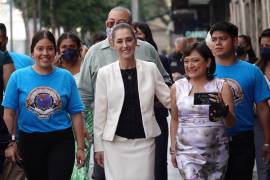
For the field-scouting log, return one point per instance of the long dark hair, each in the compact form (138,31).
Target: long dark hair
(147,32)
(251,54)
(263,62)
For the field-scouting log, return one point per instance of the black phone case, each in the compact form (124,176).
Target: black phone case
(203,98)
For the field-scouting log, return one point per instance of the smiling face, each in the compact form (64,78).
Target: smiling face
(195,65)
(124,43)
(223,45)
(44,53)
(139,34)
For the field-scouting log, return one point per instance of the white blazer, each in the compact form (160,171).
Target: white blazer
(109,99)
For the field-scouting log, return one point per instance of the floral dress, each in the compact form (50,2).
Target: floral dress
(202,145)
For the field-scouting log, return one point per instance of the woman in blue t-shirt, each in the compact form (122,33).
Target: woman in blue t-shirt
(48,104)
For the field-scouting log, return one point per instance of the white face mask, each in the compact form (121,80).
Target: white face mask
(109,32)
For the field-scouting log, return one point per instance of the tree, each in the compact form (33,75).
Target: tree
(88,15)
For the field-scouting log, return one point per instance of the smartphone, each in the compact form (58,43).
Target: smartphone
(203,98)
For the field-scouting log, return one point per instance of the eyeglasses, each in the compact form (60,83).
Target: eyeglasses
(111,23)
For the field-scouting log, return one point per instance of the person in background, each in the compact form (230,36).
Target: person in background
(244,49)
(6,68)
(124,125)
(97,37)
(19,60)
(69,53)
(13,171)
(69,49)
(143,32)
(263,169)
(199,144)
(48,105)
(102,54)
(249,87)
(177,64)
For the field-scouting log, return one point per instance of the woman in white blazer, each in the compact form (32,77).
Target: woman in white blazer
(124,120)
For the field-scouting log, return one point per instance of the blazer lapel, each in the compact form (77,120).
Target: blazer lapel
(118,82)
(140,80)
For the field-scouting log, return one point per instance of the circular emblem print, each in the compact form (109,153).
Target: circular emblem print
(43,101)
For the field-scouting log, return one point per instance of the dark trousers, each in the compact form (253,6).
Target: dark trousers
(161,171)
(263,169)
(242,155)
(48,156)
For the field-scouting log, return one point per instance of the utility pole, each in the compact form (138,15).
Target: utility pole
(135,10)
(11,24)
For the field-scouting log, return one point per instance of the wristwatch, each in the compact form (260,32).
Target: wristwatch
(13,138)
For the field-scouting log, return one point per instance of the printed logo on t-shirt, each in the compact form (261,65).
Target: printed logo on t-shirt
(43,101)
(236,90)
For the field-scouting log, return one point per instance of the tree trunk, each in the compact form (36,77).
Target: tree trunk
(26,25)
(34,15)
(52,18)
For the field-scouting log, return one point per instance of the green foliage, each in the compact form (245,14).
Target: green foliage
(89,15)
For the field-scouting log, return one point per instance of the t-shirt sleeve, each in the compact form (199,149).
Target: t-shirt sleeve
(75,104)
(7,59)
(11,97)
(262,91)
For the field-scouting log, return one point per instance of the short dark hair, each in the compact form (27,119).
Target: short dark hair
(69,35)
(3,29)
(226,27)
(206,53)
(43,34)
(122,26)
(265,33)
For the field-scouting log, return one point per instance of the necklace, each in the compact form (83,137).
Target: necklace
(129,73)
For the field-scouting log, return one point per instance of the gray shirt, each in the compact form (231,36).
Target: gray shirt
(102,54)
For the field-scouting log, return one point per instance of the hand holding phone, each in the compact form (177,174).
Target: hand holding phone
(204,98)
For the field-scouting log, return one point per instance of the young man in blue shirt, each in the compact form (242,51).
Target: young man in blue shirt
(249,86)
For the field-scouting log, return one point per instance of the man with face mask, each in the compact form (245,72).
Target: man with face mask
(102,54)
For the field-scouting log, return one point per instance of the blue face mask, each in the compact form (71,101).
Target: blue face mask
(70,54)
(265,53)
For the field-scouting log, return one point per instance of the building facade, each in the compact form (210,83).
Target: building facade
(251,17)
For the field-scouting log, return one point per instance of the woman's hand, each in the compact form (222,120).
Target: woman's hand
(173,159)
(80,158)
(57,59)
(99,156)
(216,98)
(11,152)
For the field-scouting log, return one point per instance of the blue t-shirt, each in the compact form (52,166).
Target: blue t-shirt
(44,102)
(249,86)
(21,60)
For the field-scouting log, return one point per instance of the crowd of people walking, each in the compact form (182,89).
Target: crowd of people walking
(117,96)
